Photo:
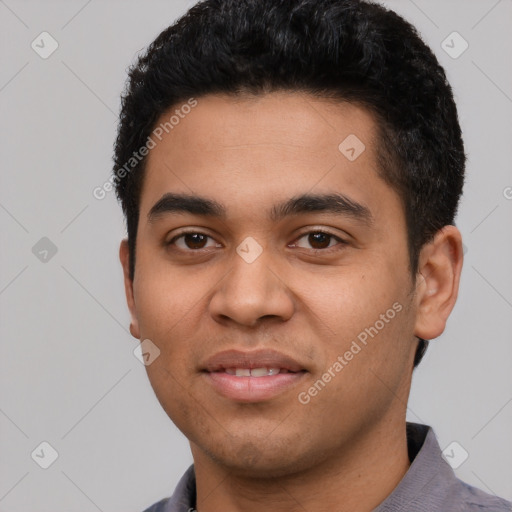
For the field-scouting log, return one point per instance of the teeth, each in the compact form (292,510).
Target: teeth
(261,372)
(254,372)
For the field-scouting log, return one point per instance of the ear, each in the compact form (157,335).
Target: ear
(124,256)
(437,282)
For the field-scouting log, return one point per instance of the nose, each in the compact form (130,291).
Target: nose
(250,292)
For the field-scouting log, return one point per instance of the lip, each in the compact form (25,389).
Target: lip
(253,359)
(252,389)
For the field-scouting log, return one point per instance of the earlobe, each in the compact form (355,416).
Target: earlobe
(437,283)
(124,257)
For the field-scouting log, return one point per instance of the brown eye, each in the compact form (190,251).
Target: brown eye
(190,241)
(194,240)
(320,240)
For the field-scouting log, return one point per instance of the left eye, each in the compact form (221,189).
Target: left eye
(320,240)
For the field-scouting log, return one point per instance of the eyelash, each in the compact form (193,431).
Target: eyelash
(316,231)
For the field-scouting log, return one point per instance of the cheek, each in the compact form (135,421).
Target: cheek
(171,390)
(370,327)
(349,301)
(362,380)
(165,298)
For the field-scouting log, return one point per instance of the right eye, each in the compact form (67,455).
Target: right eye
(190,241)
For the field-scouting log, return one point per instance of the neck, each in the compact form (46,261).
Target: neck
(356,478)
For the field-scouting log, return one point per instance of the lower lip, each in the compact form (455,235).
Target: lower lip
(252,389)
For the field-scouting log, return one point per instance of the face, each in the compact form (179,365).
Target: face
(285,323)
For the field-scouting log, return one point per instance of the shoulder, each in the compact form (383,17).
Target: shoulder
(476,500)
(184,496)
(160,506)
(430,484)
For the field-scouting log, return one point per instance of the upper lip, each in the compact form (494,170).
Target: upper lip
(254,359)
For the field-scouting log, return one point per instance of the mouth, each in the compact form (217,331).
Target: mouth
(252,376)
(255,372)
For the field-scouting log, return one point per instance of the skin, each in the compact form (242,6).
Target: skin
(346,449)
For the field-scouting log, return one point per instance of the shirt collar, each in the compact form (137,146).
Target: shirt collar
(423,487)
(426,483)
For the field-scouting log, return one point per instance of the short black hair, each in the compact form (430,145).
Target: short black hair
(348,50)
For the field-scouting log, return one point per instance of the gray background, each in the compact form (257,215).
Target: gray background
(68,375)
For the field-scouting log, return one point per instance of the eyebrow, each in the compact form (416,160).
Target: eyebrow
(306,203)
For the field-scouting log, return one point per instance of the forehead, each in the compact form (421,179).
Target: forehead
(261,149)
(299,120)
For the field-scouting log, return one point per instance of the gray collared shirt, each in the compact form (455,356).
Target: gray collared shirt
(430,485)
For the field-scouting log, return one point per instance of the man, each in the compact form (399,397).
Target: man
(290,174)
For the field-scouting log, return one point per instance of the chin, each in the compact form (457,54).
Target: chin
(261,460)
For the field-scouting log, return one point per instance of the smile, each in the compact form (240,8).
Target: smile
(255,372)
